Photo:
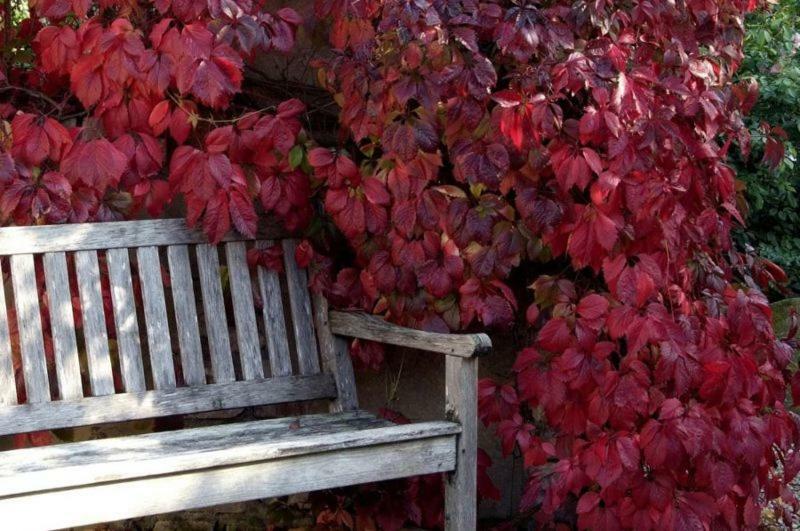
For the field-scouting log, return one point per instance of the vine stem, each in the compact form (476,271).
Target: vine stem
(34,94)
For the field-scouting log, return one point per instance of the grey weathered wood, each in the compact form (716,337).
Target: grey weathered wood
(364,326)
(244,311)
(135,476)
(154,454)
(335,358)
(127,323)
(62,325)
(159,344)
(101,377)
(214,310)
(8,384)
(461,389)
(300,305)
(29,322)
(274,320)
(247,481)
(161,403)
(116,234)
(180,273)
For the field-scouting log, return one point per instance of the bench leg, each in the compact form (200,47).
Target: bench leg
(462,407)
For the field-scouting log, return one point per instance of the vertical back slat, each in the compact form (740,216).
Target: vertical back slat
(95,334)
(125,319)
(155,316)
(300,304)
(8,384)
(335,359)
(62,323)
(29,321)
(214,311)
(180,273)
(244,311)
(274,321)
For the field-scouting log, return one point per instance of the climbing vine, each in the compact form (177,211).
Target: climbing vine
(557,167)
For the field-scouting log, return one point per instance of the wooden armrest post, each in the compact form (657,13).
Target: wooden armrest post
(461,390)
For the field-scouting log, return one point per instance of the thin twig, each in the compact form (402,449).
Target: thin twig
(34,94)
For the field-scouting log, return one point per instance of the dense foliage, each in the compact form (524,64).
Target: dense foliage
(772,59)
(492,136)
(574,147)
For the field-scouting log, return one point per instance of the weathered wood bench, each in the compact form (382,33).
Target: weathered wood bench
(167,367)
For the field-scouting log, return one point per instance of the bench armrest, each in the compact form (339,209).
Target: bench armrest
(364,326)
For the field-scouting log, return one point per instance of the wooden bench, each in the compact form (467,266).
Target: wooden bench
(180,352)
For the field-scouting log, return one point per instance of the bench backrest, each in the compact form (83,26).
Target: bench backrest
(161,362)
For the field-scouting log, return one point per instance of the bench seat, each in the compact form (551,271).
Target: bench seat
(192,468)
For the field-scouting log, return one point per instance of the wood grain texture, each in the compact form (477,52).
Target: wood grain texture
(161,403)
(300,305)
(127,323)
(219,343)
(335,358)
(155,454)
(363,326)
(62,325)
(183,298)
(116,234)
(159,343)
(207,487)
(244,312)
(95,334)
(8,384)
(274,320)
(29,322)
(461,390)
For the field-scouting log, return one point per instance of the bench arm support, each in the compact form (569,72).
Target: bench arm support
(461,390)
(364,326)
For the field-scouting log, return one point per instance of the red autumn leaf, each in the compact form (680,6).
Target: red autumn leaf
(96,163)
(36,138)
(243,214)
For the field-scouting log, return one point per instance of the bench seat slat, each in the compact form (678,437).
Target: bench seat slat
(219,343)
(360,457)
(244,311)
(160,453)
(62,323)
(29,322)
(180,273)
(162,403)
(125,319)
(155,316)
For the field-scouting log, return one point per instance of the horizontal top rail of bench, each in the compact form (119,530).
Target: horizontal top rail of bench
(110,235)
